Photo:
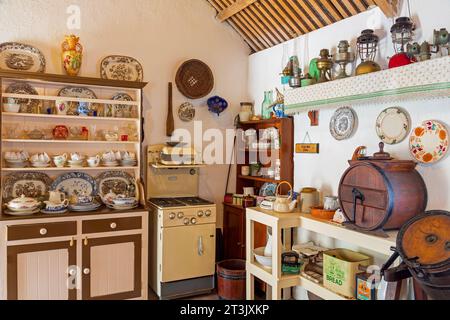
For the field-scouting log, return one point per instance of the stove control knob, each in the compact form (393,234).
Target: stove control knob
(180,215)
(200,214)
(172,216)
(186,221)
(194,221)
(208,213)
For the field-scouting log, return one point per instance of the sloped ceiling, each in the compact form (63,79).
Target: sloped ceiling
(265,23)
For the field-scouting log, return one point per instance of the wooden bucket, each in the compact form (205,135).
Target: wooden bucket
(231,279)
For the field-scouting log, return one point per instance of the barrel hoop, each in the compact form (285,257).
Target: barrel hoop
(231,277)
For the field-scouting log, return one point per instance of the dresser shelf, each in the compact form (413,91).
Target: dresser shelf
(64,117)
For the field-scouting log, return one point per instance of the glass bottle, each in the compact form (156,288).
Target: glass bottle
(266,111)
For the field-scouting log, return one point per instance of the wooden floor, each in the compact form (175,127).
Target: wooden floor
(153,297)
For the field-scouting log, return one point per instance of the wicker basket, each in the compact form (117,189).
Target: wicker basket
(194,79)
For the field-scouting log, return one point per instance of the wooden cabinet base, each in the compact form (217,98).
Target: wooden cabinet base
(79,257)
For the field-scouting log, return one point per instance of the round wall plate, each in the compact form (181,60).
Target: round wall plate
(343,123)
(393,125)
(186,112)
(429,142)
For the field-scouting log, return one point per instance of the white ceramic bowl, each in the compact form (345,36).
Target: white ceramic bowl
(266,261)
(11,107)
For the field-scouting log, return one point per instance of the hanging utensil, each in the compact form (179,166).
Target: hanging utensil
(170,124)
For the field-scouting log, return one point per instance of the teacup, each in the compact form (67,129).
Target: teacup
(57,197)
(93,162)
(76,157)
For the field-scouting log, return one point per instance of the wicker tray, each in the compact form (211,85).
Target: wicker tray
(194,79)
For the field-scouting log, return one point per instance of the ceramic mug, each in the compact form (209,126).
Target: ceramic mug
(245,171)
(57,197)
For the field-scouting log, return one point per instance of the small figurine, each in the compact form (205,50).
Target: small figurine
(441,40)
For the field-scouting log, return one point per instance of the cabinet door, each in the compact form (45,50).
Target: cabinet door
(233,233)
(112,268)
(41,271)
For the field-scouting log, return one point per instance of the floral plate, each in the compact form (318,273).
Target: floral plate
(118,182)
(26,105)
(268,190)
(21,57)
(343,123)
(186,112)
(429,142)
(30,184)
(75,183)
(120,110)
(121,68)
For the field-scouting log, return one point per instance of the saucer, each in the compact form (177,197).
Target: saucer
(40,164)
(54,212)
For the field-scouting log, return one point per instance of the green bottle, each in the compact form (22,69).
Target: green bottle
(266,111)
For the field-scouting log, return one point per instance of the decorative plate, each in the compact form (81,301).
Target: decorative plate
(31,184)
(81,93)
(268,190)
(217,105)
(343,123)
(119,182)
(76,183)
(26,105)
(194,79)
(121,68)
(21,57)
(120,110)
(186,112)
(429,142)
(393,125)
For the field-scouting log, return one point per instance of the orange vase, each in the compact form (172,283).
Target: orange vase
(72,55)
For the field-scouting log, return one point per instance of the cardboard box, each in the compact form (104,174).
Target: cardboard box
(340,267)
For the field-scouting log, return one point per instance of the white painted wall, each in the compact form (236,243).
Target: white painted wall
(324,171)
(161,34)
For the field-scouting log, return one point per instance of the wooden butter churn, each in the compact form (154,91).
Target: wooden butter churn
(380,193)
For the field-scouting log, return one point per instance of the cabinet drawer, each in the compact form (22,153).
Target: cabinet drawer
(42,231)
(112,225)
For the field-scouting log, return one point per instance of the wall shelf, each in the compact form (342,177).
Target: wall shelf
(259,179)
(423,80)
(67,141)
(67,169)
(61,117)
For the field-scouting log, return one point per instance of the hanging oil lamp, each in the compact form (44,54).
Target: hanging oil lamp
(402,34)
(367,45)
(343,57)
(324,64)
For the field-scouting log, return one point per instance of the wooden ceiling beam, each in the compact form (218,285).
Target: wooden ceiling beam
(349,5)
(360,5)
(271,29)
(331,9)
(340,8)
(301,20)
(390,8)
(321,12)
(234,9)
(311,14)
(285,34)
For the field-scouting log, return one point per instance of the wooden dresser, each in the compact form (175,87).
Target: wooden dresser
(90,256)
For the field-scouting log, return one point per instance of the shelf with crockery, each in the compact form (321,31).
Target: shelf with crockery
(52,126)
(417,81)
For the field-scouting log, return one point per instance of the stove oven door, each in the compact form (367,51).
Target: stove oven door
(188,252)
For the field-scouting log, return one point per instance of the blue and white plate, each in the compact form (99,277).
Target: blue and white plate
(43,211)
(75,184)
(268,190)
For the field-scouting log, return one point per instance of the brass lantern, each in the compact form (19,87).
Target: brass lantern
(402,34)
(367,45)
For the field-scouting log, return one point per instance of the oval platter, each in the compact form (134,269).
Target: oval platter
(429,142)
(26,105)
(75,183)
(119,109)
(21,57)
(77,92)
(393,125)
(119,182)
(31,184)
(343,123)
(121,68)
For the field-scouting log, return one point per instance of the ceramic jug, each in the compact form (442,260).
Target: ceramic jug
(331,203)
(58,198)
(72,54)
(60,161)
(309,198)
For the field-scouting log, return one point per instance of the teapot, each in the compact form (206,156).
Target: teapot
(284,204)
